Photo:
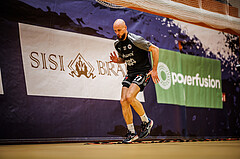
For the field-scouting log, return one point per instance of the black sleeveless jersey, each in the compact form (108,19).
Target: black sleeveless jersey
(134,50)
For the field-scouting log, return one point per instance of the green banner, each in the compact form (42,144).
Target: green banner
(189,80)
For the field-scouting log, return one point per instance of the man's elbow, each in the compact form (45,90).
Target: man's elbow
(154,49)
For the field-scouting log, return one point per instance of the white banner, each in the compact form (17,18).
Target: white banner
(1,85)
(65,64)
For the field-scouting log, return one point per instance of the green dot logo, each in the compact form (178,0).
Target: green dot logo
(164,76)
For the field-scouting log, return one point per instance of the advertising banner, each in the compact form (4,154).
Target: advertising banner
(189,80)
(1,85)
(64,64)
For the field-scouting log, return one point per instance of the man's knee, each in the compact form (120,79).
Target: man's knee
(123,101)
(129,98)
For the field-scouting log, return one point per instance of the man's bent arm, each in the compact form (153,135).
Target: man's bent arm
(114,58)
(120,60)
(155,54)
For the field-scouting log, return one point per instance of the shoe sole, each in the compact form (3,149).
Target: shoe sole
(133,139)
(149,130)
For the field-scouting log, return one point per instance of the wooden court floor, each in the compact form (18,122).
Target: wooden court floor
(175,150)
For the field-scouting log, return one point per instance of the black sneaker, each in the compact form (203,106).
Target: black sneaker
(146,128)
(130,137)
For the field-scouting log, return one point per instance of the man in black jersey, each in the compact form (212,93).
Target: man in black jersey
(134,50)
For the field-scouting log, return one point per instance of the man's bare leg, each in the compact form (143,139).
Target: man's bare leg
(131,98)
(128,116)
(126,108)
(138,107)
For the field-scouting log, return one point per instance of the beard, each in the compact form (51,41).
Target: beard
(122,38)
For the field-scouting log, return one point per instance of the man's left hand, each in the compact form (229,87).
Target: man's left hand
(154,75)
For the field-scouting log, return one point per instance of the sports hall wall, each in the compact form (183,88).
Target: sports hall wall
(56,79)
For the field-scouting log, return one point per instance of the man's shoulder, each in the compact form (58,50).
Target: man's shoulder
(139,41)
(133,37)
(116,42)
(117,46)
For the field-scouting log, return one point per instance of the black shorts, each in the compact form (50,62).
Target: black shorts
(140,79)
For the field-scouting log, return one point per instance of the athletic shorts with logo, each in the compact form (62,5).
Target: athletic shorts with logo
(140,79)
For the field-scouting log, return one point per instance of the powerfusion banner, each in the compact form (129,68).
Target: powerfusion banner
(189,80)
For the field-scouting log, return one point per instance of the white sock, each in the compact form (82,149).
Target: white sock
(131,128)
(144,118)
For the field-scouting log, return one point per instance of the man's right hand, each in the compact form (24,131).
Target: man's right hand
(114,57)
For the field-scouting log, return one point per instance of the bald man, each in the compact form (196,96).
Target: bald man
(134,50)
